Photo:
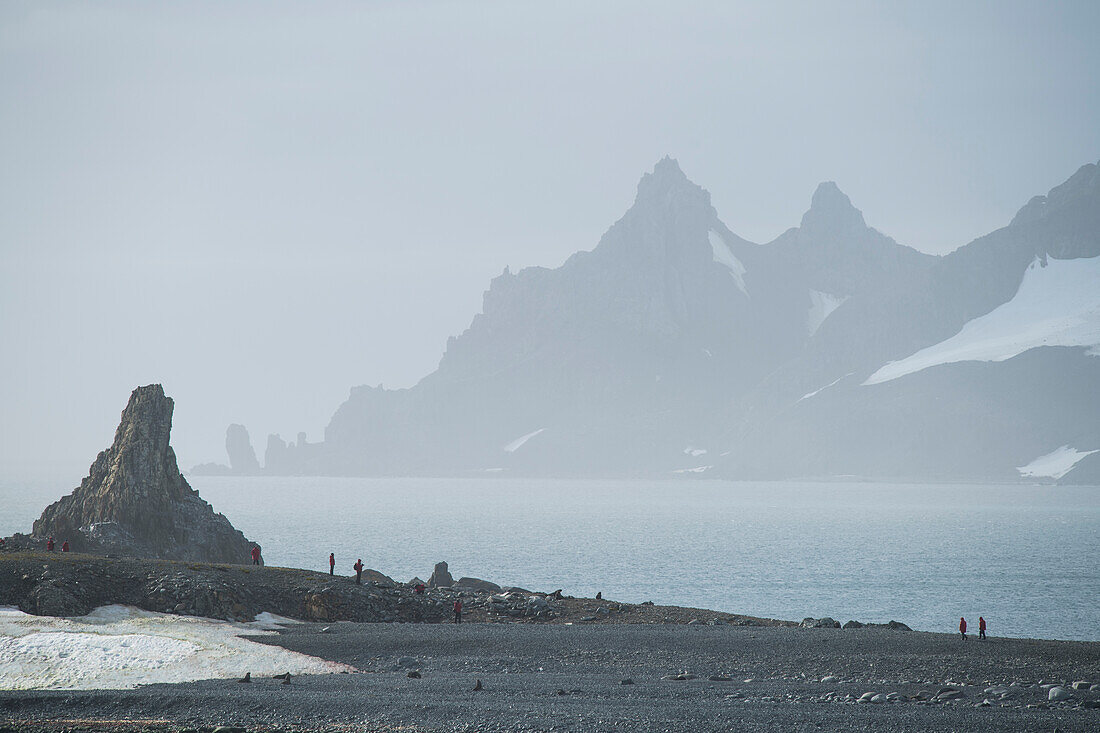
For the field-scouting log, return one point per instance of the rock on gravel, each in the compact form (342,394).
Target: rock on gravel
(1059,693)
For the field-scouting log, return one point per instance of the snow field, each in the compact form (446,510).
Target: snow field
(119,647)
(1055,464)
(1056,305)
(723,255)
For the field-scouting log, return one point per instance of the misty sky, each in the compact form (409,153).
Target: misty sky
(261,205)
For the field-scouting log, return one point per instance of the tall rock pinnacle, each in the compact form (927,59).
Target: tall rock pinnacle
(134,500)
(831,211)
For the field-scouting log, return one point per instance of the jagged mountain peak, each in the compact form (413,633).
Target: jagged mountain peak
(1082,185)
(831,211)
(667,184)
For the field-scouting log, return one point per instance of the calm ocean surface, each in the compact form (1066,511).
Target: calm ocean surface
(1027,558)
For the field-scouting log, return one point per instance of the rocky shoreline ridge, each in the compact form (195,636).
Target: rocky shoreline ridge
(73,584)
(536,661)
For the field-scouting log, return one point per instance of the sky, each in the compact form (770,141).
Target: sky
(261,205)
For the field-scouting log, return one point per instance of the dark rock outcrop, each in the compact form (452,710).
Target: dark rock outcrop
(441,577)
(242,457)
(134,500)
(477,584)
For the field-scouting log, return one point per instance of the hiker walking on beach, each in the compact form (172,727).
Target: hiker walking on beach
(49,544)
(332,563)
(65,546)
(962,627)
(255,554)
(458,610)
(981,627)
(358,571)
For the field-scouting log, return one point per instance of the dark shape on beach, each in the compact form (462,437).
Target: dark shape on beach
(247,677)
(414,674)
(478,686)
(135,502)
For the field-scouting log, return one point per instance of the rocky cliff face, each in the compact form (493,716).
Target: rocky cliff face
(677,346)
(134,500)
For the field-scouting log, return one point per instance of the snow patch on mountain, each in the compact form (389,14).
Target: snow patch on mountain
(694,452)
(723,255)
(1056,305)
(119,647)
(518,442)
(821,306)
(1055,464)
(697,469)
(808,395)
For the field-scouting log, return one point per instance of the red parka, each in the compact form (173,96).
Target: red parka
(962,625)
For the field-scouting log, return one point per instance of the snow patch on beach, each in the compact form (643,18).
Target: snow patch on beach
(1055,464)
(1056,305)
(119,647)
(518,442)
(723,255)
(694,452)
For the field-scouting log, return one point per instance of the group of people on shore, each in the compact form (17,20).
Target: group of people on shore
(50,544)
(419,588)
(981,627)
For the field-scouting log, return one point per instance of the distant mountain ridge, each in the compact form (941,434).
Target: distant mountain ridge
(677,346)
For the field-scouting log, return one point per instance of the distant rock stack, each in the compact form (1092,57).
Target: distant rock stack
(134,500)
(242,457)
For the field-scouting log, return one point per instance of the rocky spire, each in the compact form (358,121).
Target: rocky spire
(135,501)
(831,212)
(238,446)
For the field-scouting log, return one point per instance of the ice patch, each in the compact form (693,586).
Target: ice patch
(518,442)
(693,451)
(271,621)
(808,395)
(118,647)
(697,469)
(821,307)
(723,255)
(1055,464)
(1056,305)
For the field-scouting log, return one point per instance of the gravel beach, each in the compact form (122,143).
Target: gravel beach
(572,678)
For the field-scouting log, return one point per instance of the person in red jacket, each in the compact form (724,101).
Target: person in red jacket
(332,563)
(256,555)
(358,571)
(49,544)
(65,546)
(981,627)
(458,610)
(962,627)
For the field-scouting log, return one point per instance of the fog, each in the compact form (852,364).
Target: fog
(261,205)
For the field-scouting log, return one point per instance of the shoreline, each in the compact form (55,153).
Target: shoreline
(633,667)
(612,677)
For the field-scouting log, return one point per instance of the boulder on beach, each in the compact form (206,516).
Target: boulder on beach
(441,577)
(820,623)
(477,584)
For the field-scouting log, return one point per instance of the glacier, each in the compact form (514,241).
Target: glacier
(1056,305)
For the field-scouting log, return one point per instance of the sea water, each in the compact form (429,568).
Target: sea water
(1024,557)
